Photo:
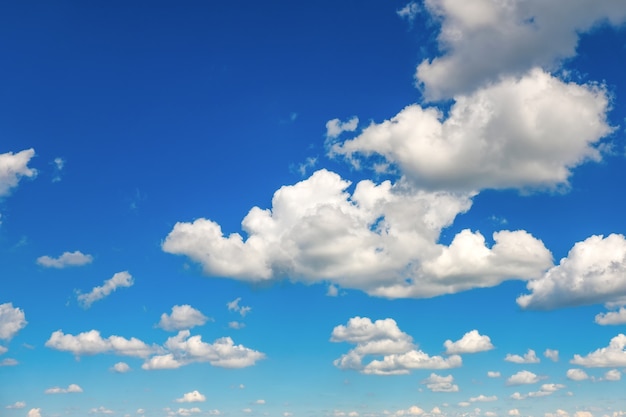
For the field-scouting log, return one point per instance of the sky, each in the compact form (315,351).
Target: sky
(301,209)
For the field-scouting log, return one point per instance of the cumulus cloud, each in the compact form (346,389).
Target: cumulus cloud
(184,349)
(72,388)
(100,410)
(76,258)
(17,405)
(8,362)
(12,320)
(234,306)
(336,127)
(523,377)
(493,374)
(483,40)
(120,367)
(382,239)
(471,342)
(411,411)
(594,271)
(438,383)
(613,355)
(191,397)
(612,317)
(119,280)
(613,375)
(13,167)
(552,354)
(34,412)
(91,343)
(529,357)
(576,374)
(409,11)
(384,338)
(182,317)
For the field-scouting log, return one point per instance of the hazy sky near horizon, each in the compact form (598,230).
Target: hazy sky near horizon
(345,209)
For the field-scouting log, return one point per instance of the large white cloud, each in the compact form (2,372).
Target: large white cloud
(594,271)
(76,258)
(91,343)
(613,355)
(14,166)
(382,239)
(516,133)
(182,317)
(119,280)
(481,40)
(523,377)
(612,317)
(471,342)
(12,320)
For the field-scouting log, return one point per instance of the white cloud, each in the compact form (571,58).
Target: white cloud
(544,390)
(611,356)
(552,354)
(529,357)
(594,271)
(234,306)
(613,375)
(333,291)
(612,317)
(17,405)
(483,398)
(183,411)
(13,167)
(411,411)
(438,383)
(91,343)
(12,320)
(191,397)
(513,412)
(577,374)
(523,377)
(384,338)
(522,133)
(483,40)
(471,342)
(72,388)
(236,325)
(100,410)
(336,127)
(34,412)
(185,349)
(8,362)
(409,11)
(583,414)
(3,350)
(76,258)
(120,367)
(120,279)
(260,402)
(182,317)
(382,239)
(493,374)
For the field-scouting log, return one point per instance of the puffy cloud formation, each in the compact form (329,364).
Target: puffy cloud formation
(482,40)
(120,367)
(34,412)
(72,388)
(612,317)
(382,239)
(91,343)
(438,383)
(576,374)
(384,338)
(184,349)
(191,397)
(529,357)
(523,377)
(76,258)
(336,127)
(493,374)
(182,317)
(516,133)
(613,355)
(594,271)
(471,342)
(552,354)
(613,375)
(120,279)
(12,320)
(17,405)
(13,167)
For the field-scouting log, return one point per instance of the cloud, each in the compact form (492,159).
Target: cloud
(612,317)
(411,411)
(613,375)
(34,412)
(437,383)
(384,338)
(191,397)
(13,167)
(382,239)
(523,377)
(76,258)
(613,355)
(9,362)
(409,11)
(236,325)
(336,127)
(484,40)
(58,165)
(471,342)
(545,390)
(72,388)
(577,374)
(594,271)
(493,374)
(184,349)
(182,317)
(183,411)
(91,343)
(101,410)
(120,279)
(17,405)
(12,320)
(120,367)
(513,412)
(234,306)
(483,398)
(526,132)
(551,354)
(529,357)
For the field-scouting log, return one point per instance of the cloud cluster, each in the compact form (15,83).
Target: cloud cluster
(119,280)
(76,258)
(613,355)
(12,320)
(182,317)
(14,166)
(529,357)
(438,383)
(91,343)
(72,388)
(384,338)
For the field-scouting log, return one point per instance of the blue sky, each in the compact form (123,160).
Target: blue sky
(343,209)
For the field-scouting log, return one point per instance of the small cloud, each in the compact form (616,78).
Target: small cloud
(260,402)
(72,388)
(120,279)
(76,258)
(9,362)
(34,412)
(100,410)
(191,397)
(551,354)
(493,374)
(471,342)
(409,12)
(310,162)
(523,377)
(483,398)
(437,383)
(576,375)
(120,368)
(12,320)
(612,317)
(336,127)
(182,317)
(234,306)
(236,325)
(333,291)
(17,405)
(613,375)
(529,357)
(58,164)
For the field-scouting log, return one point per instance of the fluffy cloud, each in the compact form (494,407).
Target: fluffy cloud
(611,356)
(471,342)
(182,317)
(183,411)
(552,354)
(14,167)
(34,412)
(384,338)
(613,375)
(483,40)
(493,374)
(336,127)
(529,357)
(91,343)
(17,405)
(409,11)
(101,410)
(594,271)
(184,349)
(612,317)
(437,383)
(12,320)
(523,377)
(72,388)
(120,367)
(234,306)
(120,279)
(382,239)
(483,398)
(577,374)
(76,258)
(8,362)
(411,411)
(191,397)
